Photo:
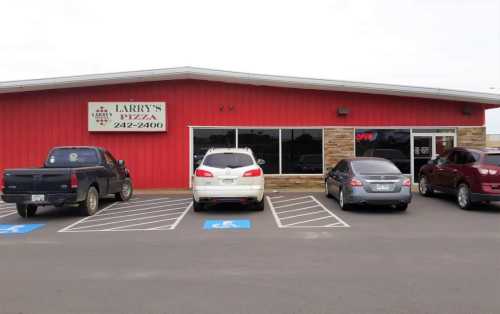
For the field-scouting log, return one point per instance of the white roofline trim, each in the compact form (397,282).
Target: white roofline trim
(246,78)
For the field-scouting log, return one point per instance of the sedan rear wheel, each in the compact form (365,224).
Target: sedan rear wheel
(342,203)
(327,192)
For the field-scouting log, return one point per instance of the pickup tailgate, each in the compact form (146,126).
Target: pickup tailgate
(32,181)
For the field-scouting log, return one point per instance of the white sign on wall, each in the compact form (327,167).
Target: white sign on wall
(127,117)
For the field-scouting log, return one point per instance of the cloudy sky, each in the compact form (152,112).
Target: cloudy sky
(437,43)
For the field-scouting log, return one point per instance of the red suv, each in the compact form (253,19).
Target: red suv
(472,175)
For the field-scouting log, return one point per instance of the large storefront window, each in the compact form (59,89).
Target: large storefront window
(302,151)
(203,139)
(385,143)
(264,144)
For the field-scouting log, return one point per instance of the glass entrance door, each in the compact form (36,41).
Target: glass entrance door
(428,146)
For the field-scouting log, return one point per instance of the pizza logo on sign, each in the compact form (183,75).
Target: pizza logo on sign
(101,116)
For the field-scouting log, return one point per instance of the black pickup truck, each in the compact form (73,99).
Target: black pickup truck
(70,175)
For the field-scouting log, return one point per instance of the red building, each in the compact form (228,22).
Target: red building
(161,121)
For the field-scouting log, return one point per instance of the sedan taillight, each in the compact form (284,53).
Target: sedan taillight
(203,173)
(407,182)
(253,173)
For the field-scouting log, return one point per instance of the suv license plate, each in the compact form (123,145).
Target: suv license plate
(227,181)
(383,187)
(38,198)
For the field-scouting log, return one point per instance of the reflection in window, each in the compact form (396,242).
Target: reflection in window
(264,144)
(203,139)
(389,144)
(302,151)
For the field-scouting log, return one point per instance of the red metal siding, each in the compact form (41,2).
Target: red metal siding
(32,122)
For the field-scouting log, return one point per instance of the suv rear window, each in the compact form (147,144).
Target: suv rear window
(492,159)
(374,167)
(228,160)
(72,158)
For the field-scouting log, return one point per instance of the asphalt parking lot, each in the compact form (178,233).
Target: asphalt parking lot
(301,255)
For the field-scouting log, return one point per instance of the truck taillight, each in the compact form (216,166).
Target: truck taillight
(356,182)
(203,173)
(253,173)
(407,182)
(74,181)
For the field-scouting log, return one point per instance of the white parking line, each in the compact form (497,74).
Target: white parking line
(291,199)
(134,210)
(304,208)
(301,222)
(175,202)
(7,214)
(295,210)
(143,223)
(300,215)
(293,204)
(127,217)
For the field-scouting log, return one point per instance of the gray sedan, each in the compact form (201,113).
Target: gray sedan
(365,181)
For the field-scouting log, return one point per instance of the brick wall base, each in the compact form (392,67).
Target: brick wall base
(294,182)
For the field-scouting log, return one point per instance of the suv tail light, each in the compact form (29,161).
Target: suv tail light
(485,171)
(74,181)
(356,182)
(203,173)
(253,173)
(407,182)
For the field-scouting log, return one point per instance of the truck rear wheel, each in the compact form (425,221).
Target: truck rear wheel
(126,191)
(91,203)
(25,210)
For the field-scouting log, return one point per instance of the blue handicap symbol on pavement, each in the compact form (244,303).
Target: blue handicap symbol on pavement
(227,224)
(17,229)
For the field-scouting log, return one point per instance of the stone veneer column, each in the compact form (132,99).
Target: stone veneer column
(338,144)
(474,137)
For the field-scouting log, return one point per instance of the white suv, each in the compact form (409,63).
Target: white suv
(228,175)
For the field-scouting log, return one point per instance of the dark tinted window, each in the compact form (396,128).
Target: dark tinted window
(72,157)
(302,151)
(203,139)
(228,160)
(385,143)
(463,157)
(460,157)
(264,144)
(374,167)
(492,159)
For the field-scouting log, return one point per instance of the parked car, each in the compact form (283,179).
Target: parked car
(70,175)
(228,175)
(472,175)
(368,181)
